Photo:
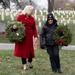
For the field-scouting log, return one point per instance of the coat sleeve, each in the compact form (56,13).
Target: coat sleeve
(35,30)
(42,38)
(19,18)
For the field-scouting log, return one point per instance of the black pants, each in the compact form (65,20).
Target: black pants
(24,60)
(53,52)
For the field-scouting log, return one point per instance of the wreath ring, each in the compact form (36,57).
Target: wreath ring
(62,35)
(16,34)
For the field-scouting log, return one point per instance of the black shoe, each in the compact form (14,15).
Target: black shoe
(59,70)
(54,71)
(30,67)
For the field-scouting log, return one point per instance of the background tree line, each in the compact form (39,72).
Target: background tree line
(52,4)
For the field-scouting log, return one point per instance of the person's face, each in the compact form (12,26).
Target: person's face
(30,12)
(50,21)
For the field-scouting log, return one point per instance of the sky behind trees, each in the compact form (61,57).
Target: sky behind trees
(42,3)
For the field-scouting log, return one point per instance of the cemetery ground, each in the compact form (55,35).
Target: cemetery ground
(3,38)
(63,17)
(10,65)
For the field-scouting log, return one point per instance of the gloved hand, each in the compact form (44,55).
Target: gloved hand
(42,46)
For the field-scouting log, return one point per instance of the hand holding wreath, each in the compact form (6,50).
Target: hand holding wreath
(62,35)
(14,27)
(15,31)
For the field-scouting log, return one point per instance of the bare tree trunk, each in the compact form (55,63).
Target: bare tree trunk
(50,5)
(30,2)
(18,3)
(3,3)
(9,4)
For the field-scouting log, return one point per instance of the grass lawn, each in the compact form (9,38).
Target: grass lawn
(3,39)
(10,65)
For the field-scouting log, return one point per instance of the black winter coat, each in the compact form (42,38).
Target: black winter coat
(46,35)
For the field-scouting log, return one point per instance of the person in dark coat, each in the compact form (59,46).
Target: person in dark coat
(46,40)
(25,49)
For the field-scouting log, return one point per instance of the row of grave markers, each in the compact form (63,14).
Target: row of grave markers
(64,17)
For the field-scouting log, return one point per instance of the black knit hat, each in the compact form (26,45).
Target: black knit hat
(50,16)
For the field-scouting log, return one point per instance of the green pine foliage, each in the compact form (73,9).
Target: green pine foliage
(16,35)
(65,34)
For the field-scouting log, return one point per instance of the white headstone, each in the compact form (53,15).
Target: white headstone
(7,13)
(41,12)
(12,17)
(40,24)
(68,21)
(64,23)
(72,15)
(61,16)
(67,16)
(61,21)
(35,12)
(74,21)
(43,18)
(38,19)
(2,15)
(35,16)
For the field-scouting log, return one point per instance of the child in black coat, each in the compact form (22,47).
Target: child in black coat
(46,39)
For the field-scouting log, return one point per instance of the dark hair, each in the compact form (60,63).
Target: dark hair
(50,16)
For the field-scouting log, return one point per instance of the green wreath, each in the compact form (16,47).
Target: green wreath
(15,34)
(62,35)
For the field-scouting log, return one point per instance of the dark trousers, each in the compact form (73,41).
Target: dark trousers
(24,60)
(53,52)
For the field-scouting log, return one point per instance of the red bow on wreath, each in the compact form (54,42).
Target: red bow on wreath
(3,32)
(60,42)
(62,31)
